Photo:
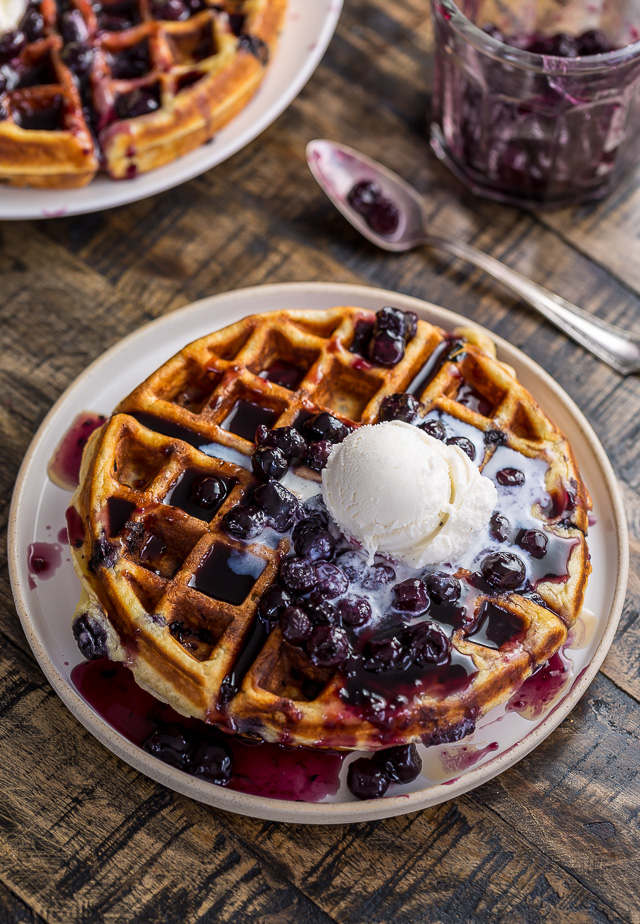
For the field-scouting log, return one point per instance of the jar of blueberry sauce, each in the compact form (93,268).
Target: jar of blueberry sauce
(537,103)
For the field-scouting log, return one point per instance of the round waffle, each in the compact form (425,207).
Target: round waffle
(125,85)
(173,591)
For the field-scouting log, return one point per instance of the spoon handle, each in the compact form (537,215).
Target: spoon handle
(614,346)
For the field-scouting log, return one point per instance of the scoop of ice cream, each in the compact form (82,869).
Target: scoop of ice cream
(11,12)
(395,489)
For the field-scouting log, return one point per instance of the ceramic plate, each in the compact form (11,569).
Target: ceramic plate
(502,737)
(307,31)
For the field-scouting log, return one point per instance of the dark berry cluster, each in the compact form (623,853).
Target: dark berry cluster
(208,757)
(560,45)
(384,341)
(370,777)
(279,448)
(405,407)
(380,213)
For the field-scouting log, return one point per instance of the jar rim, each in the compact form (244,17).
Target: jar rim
(530,60)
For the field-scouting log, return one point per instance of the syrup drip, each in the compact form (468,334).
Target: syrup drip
(64,466)
(283,373)
(543,688)
(262,769)
(181,494)
(246,417)
(226,574)
(433,365)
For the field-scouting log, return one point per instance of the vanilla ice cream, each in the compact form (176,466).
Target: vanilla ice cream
(395,489)
(11,12)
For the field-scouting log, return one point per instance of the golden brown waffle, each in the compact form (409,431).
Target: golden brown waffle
(129,85)
(142,556)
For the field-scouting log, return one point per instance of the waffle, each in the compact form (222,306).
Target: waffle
(155,577)
(125,85)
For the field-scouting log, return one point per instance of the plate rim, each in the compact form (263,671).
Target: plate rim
(265,119)
(265,807)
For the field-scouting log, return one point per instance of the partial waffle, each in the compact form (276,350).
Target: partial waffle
(168,589)
(125,85)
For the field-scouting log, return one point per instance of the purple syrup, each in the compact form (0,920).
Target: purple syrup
(293,774)
(542,687)
(469,397)
(64,466)
(245,418)
(434,364)
(184,494)
(227,574)
(462,757)
(119,511)
(43,560)
(75,527)
(283,373)
(496,627)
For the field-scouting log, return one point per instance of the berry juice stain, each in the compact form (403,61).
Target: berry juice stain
(43,560)
(246,417)
(64,465)
(75,527)
(463,756)
(542,688)
(261,769)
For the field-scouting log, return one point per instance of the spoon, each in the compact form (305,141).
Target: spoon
(338,168)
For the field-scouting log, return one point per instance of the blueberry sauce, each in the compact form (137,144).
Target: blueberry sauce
(542,688)
(444,352)
(64,466)
(496,627)
(462,757)
(119,512)
(199,493)
(262,769)
(245,418)
(283,373)
(43,560)
(75,527)
(226,574)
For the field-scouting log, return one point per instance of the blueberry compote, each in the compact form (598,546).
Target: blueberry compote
(378,210)
(64,466)
(294,774)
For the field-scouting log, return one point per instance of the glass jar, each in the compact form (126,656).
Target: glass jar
(537,102)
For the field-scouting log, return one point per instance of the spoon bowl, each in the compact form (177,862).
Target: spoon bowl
(338,168)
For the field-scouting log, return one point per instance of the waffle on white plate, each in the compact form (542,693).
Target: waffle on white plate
(189,559)
(125,85)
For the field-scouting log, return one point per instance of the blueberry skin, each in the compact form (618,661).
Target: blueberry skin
(367,780)
(400,764)
(90,636)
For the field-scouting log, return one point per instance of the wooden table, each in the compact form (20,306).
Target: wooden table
(85,838)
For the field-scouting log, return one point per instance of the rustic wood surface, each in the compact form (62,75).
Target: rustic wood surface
(85,838)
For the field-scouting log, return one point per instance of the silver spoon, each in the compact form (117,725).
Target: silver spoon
(338,168)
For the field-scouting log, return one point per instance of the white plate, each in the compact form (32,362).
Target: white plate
(37,514)
(308,27)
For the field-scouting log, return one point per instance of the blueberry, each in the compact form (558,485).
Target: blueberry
(243,522)
(328,646)
(399,407)
(499,527)
(286,439)
(384,217)
(314,522)
(594,42)
(366,780)
(510,477)
(386,349)
(212,762)
(411,597)
(11,44)
(426,643)
(378,576)
(353,566)
(78,57)
(325,427)
(464,444)
(363,196)
(279,504)
(298,575)
(131,62)
(443,588)
(269,463)
(138,102)
(295,625)
(318,455)
(503,570)
(172,746)
(255,46)
(354,611)
(208,492)
(320,610)
(73,27)
(385,653)
(533,541)
(331,580)
(401,323)
(114,23)
(274,602)
(90,636)
(32,24)
(361,337)
(401,764)
(315,544)
(171,10)
(434,428)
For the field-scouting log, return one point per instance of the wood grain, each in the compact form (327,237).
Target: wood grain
(85,838)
